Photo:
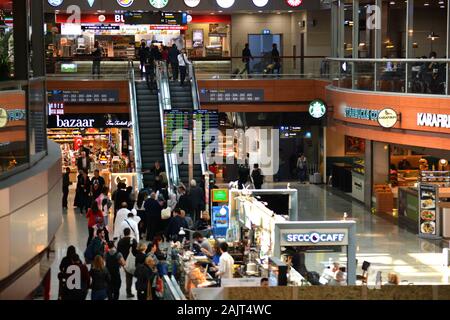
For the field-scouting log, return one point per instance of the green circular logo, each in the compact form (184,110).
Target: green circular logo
(159,4)
(317,109)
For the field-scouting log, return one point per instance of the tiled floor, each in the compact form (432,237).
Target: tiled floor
(383,244)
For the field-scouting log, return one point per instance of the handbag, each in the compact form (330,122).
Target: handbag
(166,213)
(130,265)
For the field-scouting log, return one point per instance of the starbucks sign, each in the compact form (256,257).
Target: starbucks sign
(387,118)
(317,109)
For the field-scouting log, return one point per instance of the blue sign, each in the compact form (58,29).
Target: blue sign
(220,220)
(266,31)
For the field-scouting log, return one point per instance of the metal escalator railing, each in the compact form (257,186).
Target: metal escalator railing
(170,160)
(135,121)
(196,106)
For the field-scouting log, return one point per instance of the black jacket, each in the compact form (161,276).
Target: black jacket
(201,224)
(66,180)
(197,198)
(275,55)
(173,55)
(175,224)
(185,203)
(246,55)
(100,279)
(145,277)
(124,245)
(80,163)
(84,185)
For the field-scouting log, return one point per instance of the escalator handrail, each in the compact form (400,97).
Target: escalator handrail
(196,106)
(165,104)
(135,126)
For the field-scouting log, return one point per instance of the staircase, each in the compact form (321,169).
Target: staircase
(181,99)
(149,129)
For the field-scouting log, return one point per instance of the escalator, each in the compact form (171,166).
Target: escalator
(181,98)
(150,135)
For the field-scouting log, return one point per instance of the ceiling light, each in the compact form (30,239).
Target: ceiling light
(433,36)
(392,3)
(426,4)
(260,11)
(278,12)
(220,11)
(441,2)
(290,11)
(442,7)
(212,13)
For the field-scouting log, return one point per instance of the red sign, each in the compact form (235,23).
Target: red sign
(294,3)
(77,143)
(167,27)
(92,18)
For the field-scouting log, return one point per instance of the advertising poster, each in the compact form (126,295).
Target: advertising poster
(220,220)
(428,211)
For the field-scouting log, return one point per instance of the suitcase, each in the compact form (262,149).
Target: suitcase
(315,178)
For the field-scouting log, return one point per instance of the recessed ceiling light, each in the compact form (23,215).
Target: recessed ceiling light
(220,11)
(260,11)
(426,4)
(212,13)
(392,3)
(441,2)
(290,11)
(442,7)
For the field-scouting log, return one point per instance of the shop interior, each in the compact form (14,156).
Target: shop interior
(109,149)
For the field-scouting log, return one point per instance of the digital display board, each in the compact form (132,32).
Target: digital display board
(169,18)
(175,124)
(205,126)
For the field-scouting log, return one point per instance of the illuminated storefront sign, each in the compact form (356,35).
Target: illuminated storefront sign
(317,109)
(89,121)
(433,120)
(159,4)
(192,3)
(362,114)
(225,3)
(55,3)
(11,115)
(125,3)
(314,237)
(260,3)
(294,3)
(387,118)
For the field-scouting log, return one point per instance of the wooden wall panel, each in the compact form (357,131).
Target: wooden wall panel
(291,95)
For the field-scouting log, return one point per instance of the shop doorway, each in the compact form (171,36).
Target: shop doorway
(261,46)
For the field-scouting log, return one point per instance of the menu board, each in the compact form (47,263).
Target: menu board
(231,95)
(176,123)
(428,211)
(220,220)
(83,96)
(206,126)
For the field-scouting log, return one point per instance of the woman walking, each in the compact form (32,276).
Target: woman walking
(95,220)
(101,279)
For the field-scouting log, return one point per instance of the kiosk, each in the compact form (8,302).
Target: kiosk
(319,237)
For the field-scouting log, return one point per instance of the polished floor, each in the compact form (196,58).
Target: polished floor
(379,241)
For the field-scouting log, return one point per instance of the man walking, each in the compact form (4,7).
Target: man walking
(66,184)
(246,56)
(173,59)
(183,63)
(302,167)
(276,59)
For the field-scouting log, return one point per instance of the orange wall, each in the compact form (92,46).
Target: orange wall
(406,131)
(291,95)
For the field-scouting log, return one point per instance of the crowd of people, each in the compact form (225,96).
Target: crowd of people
(126,230)
(174,58)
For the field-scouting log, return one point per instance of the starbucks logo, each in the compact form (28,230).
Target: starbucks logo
(317,109)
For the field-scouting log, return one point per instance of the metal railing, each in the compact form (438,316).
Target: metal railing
(135,121)
(410,76)
(170,160)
